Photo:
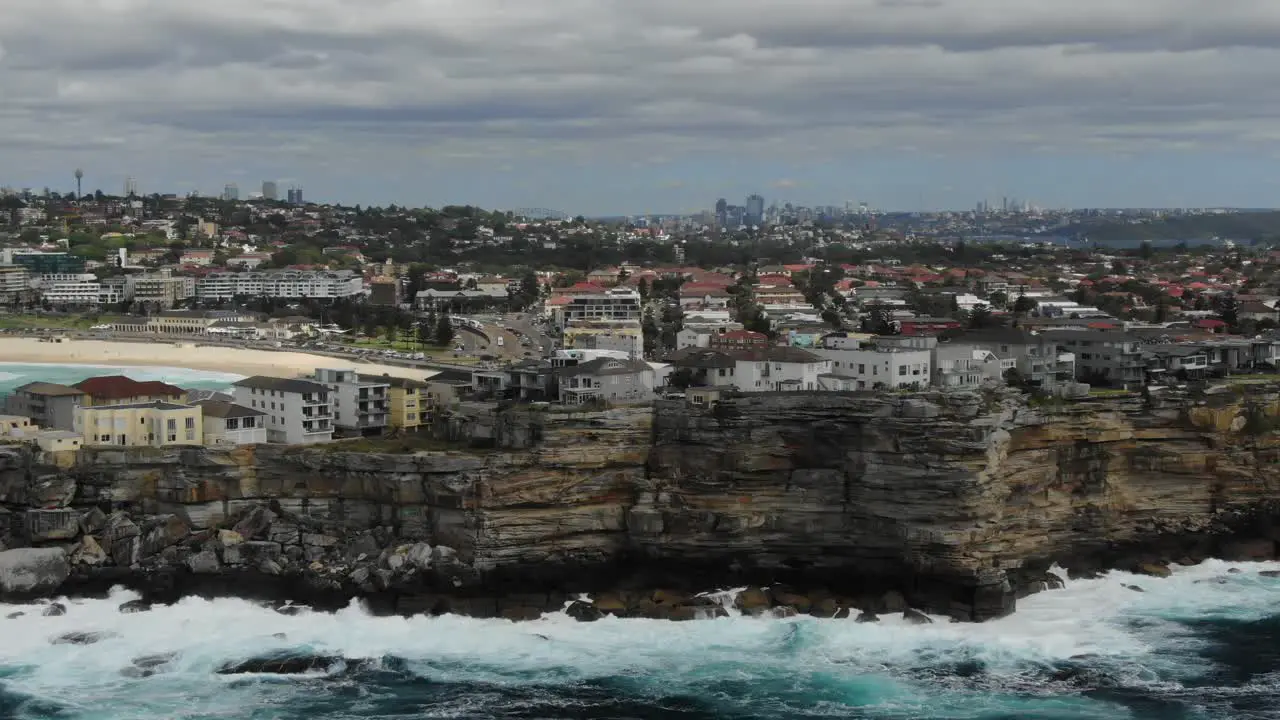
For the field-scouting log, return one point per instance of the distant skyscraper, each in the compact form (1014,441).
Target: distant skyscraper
(130,187)
(295,196)
(79,177)
(269,190)
(722,212)
(231,192)
(754,214)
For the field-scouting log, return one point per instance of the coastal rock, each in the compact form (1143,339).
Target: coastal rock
(752,600)
(54,610)
(915,617)
(204,563)
(1154,570)
(134,606)
(29,572)
(288,665)
(866,616)
(81,638)
(89,552)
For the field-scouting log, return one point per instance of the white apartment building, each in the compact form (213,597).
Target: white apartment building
(298,412)
(281,284)
(612,304)
(84,291)
(871,367)
(14,281)
(362,405)
(769,369)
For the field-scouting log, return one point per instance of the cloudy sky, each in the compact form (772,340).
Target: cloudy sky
(630,106)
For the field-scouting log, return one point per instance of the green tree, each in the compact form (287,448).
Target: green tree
(1024,305)
(980,317)
(999,299)
(444,331)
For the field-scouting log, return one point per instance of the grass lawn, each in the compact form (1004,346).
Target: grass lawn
(47,322)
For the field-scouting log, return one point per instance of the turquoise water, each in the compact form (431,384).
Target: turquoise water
(14,375)
(1203,644)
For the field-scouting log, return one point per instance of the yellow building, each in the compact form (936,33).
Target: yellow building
(408,403)
(153,424)
(121,390)
(19,423)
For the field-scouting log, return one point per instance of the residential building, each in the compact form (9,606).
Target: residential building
(1039,359)
(409,403)
(446,388)
(16,425)
(1184,362)
(149,424)
(227,423)
(358,404)
(386,291)
(298,411)
(460,300)
(288,284)
(58,440)
(754,370)
(620,335)
(529,380)
(86,291)
(871,366)
(606,380)
(164,291)
(961,366)
(15,284)
(49,405)
(47,263)
(121,390)
(737,340)
(1103,357)
(618,303)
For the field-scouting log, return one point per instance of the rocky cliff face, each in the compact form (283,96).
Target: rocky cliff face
(954,503)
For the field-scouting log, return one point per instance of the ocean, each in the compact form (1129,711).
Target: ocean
(14,375)
(1204,643)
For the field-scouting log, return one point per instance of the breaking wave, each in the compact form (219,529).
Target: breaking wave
(1204,643)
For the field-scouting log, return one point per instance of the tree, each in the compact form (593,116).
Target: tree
(444,331)
(643,288)
(832,317)
(1228,309)
(392,331)
(980,316)
(999,299)
(1024,305)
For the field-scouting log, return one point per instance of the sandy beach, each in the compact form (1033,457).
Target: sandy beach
(168,353)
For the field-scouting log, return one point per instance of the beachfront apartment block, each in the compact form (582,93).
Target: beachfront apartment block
(291,284)
(298,412)
(359,404)
(15,283)
(162,290)
(408,404)
(121,390)
(149,424)
(49,405)
(228,423)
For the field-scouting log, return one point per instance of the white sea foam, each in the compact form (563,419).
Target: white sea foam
(1100,618)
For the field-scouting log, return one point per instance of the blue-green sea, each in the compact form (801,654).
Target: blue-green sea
(14,375)
(1204,643)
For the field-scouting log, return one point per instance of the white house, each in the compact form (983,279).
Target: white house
(227,423)
(768,369)
(608,379)
(298,412)
(873,367)
(362,405)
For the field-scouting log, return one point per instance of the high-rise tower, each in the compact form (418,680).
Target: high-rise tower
(79,177)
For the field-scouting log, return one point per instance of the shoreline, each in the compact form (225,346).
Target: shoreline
(187,355)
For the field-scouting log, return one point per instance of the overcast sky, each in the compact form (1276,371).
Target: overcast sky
(631,106)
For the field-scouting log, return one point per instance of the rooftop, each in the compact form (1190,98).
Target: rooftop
(119,387)
(49,389)
(286,385)
(222,409)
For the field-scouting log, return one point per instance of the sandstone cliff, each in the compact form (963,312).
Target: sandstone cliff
(953,503)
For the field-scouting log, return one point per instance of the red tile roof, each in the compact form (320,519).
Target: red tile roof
(119,387)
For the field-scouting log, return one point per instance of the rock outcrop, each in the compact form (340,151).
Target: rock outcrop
(838,505)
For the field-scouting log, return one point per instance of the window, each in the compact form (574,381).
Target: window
(191,423)
(171,425)
(191,434)
(862,369)
(902,370)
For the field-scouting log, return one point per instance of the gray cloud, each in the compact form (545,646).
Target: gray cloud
(397,78)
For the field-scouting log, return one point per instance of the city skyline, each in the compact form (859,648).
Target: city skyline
(904,105)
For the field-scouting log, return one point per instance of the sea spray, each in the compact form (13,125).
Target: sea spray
(1094,649)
